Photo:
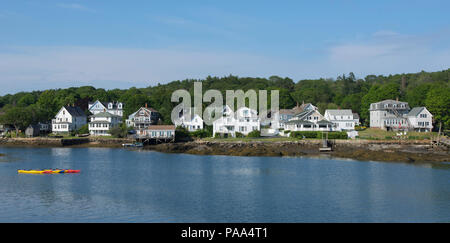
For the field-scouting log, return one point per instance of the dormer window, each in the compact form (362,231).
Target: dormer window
(110,106)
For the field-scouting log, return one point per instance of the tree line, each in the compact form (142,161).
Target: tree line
(430,89)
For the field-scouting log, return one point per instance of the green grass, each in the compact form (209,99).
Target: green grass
(374,133)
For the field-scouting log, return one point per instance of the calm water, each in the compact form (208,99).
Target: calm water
(119,185)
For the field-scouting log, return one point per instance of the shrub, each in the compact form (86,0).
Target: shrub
(337,135)
(304,134)
(181,133)
(83,130)
(239,135)
(200,134)
(254,134)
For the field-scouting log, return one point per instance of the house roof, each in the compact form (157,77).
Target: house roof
(75,110)
(355,115)
(415,111)
(381,105)
(344,112)
(299,122)
(302,114)
(324,122)
(105,104)
(161,127)
(101,122)
(104,114)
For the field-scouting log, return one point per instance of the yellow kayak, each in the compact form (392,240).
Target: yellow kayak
(40,171)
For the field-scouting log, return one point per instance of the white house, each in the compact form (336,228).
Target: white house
(309,120)
(396,115)
(356,119)
(143,117)
(191,124)
(389,115)
(420,119)
(244,120)
(157,132)
(284,115)
(342,119)
(68,118)
(102,122)
(115,107)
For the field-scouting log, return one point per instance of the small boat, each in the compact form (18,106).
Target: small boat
(133,145)
(55,171)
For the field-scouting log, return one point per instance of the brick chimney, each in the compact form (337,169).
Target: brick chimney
(145,105)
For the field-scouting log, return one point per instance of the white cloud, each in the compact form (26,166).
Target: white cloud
(38,68)
(387,52)
(32,68)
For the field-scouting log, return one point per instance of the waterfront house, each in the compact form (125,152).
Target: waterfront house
(102,122)
(45,127)
(191,123)
(157,132)
(244,121)
(33,130)
(143,117)
(114,107)
(309,120)
(69,118)
(389,115)
(343,120)
(396,115)
(420,119)
(356,119)
(284,115)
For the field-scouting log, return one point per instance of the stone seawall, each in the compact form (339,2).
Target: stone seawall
(61,142)
(411,151)
(367,150)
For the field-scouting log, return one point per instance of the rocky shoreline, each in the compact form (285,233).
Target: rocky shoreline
(63,142)
(410,151)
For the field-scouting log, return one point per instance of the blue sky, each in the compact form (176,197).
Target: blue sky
(119,44)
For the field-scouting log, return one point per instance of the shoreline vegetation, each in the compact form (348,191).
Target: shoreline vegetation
(409,151)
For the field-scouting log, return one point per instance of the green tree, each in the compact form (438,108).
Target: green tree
(438,103)
(16,116)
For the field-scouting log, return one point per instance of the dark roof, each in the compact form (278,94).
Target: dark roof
(324,122)
(355,115)
(415,111)
(299,122)
(75,110)
(104,114)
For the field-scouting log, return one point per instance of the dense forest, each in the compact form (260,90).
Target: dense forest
(430,89)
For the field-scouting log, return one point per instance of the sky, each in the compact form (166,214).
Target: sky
(120,44)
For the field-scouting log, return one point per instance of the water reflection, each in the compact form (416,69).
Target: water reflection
(118,185)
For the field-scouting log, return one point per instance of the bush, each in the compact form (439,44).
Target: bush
(201,134)
(337,135)
(254,134)
(304,134)
(239,135)
(181,133)
(314,134)
(83,130)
